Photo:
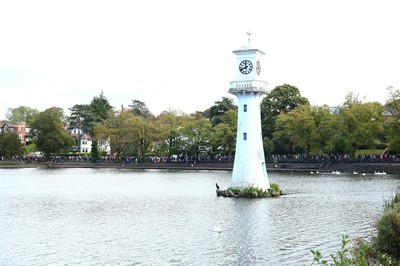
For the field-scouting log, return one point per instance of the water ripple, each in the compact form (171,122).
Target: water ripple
(121,217)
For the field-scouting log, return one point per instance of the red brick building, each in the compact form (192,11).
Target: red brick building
(21,129)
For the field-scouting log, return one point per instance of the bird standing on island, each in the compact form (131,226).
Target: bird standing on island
(216,184)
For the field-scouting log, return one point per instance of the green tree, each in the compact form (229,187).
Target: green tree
(196,132)
(49,134)
(22,114)
(30,148)
(299,127)
(223,135)
(95,151)
(352,99)
(10,145)
(99,110)
(147,133)
(280,100)
(328,128)
(392,117)
(170,122)
(362,125)
(118,129)
(268,146)
(140,109)
(216,112)
(81,117)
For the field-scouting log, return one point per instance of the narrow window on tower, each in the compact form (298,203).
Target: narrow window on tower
(244,136)
(245,108)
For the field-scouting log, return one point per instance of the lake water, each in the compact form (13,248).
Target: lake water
(163,217)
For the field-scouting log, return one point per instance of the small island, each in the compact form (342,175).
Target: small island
(251,192)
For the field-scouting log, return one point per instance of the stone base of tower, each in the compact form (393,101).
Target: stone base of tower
(249,192)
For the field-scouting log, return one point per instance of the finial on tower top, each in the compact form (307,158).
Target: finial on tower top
(248,36)
(247,46)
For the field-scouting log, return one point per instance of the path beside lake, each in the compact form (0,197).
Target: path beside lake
(343,167)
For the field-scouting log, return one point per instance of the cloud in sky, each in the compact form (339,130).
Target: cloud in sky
(178,54)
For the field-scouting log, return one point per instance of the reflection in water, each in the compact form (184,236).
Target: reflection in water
(251,227)
(127,217)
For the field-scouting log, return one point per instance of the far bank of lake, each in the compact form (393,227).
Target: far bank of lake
(342,167)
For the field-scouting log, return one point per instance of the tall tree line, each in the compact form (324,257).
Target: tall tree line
(290,126)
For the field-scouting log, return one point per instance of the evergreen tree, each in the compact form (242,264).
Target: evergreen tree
(140,109)
(99,110)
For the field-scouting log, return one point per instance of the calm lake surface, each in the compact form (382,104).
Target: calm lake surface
(164,217)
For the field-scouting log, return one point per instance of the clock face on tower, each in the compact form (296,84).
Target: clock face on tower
(258,67)
(245,67)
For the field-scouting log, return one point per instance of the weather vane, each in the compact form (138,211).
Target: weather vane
(248,36)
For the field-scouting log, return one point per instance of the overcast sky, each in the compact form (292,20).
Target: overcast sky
(178,54)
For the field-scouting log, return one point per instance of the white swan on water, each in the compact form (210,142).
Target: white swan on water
(380,173)
(217,229)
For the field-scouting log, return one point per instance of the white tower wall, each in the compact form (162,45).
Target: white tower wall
(249,168)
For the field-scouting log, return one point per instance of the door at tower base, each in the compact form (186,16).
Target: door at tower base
(250,173)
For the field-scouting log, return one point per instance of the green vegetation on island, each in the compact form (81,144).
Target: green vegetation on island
(251,192)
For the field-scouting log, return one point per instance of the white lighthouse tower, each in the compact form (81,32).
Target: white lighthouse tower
(249,168)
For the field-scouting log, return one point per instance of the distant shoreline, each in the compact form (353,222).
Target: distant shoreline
(344,167)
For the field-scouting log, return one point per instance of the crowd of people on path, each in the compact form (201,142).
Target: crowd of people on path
(276,158)
(337,158)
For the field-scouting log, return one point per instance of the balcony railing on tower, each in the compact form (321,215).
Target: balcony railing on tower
(248,85)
